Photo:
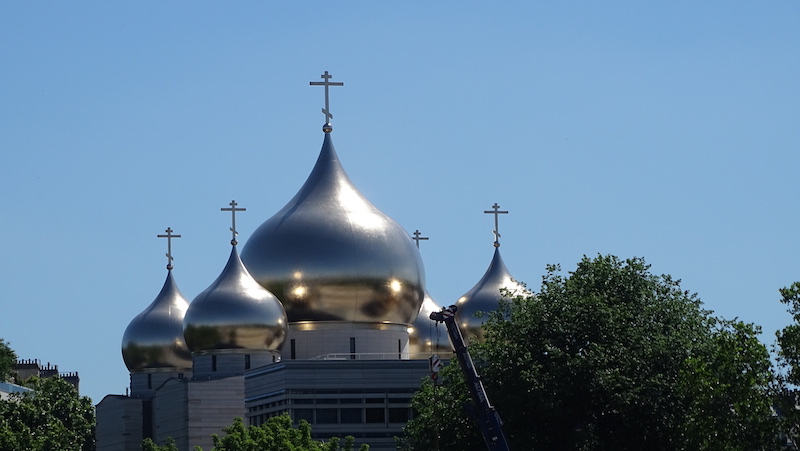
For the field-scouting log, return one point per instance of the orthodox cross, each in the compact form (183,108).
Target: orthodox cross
(496,212)
(417,237)
(169,236)
(233,211)
(327,110)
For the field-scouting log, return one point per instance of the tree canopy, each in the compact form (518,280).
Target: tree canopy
(53,417)
(609,357)
(276,434)
(7,360)
(788,351)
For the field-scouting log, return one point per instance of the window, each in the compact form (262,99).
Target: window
(293,353)
(352,348)
(213,363)
(327,416)
(398,415)
(149,380)
(303,414)
(350,416)
(247,361)
(375,415)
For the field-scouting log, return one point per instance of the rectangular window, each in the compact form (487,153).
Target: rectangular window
(303,414)
(149,381)
(352,348)
(351,416)
(213,363)
(327,416)
(293,353)
(398,415)
(375,415)
(247,361)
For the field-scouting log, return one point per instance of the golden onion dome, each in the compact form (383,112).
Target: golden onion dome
(235,312)
(154,339)
(485,297)
(330,255)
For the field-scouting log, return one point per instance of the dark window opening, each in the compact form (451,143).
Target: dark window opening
(213,363)
(303,414)
(375,415)
(398,415)
(350,416)
(352,348)
(327,416)
(247,361)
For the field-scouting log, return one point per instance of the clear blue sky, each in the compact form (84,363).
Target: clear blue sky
(667,131)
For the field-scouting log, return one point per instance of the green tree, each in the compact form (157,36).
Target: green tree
(53,417)
(149,445)
(609,357)
(7,360)
(789,337)
(788,351)
(276,434)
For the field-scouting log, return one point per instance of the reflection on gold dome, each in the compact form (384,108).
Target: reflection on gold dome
(485,297)
(235,312)
(154,338)
(330,255)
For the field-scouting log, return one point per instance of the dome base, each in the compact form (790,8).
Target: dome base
(343,340)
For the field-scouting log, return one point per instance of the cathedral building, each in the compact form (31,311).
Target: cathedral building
(324,316)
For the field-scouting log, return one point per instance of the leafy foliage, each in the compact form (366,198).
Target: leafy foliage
(610,357)
(7,359)
(276,434)
(53,417)
(789,337)
(788,350)
(149,445)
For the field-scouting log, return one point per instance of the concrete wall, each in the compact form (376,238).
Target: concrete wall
(119,423)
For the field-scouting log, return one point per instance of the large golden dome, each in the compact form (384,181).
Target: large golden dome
(330,255)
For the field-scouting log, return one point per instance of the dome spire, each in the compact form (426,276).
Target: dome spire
(154,338)
(169,236)
(233,211)
(327,128)
(423,335)
(496,212)
(235,312)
